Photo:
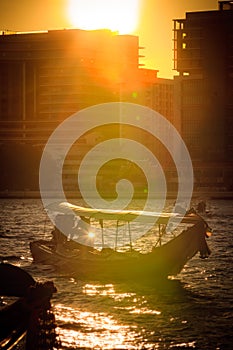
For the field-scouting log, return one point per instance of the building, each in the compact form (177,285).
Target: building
(203,58)
(45,77)
(163,99)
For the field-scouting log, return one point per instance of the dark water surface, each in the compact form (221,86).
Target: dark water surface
(192,311)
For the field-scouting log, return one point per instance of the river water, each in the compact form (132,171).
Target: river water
(194,310)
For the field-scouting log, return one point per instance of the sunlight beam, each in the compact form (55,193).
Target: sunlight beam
(116,15)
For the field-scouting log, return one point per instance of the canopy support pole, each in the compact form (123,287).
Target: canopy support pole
(160,240)
(102,231)
(116,235)
(130,237)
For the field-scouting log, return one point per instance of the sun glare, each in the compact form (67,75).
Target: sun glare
(91,234)
(116,15)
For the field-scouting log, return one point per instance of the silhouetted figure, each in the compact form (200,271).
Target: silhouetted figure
(72,233)
(63,228)
(58,238)
(82,232)
(201,207)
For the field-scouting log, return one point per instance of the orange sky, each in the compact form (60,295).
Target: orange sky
(154,26)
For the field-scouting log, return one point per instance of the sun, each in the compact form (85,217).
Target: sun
(116,15)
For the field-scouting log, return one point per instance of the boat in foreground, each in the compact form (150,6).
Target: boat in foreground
(109,264)
(26,318)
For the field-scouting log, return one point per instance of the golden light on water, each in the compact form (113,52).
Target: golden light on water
(92,289)
(116,15)
(90,330)
(79,327)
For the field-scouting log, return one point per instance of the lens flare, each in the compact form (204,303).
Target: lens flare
(91,235)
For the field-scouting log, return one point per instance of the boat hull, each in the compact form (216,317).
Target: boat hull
(169,259)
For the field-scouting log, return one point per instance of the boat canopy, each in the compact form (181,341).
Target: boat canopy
(122,215)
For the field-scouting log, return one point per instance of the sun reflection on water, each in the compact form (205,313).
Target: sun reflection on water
(98,289)
(79,329)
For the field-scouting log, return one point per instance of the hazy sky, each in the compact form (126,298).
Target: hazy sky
(154,23)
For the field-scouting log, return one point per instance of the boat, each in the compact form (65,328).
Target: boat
(163,260)
(28,316)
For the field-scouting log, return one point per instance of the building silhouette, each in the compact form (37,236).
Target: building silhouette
(203,57)
(45,77)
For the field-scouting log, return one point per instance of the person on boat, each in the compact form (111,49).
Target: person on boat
(63,224)
(79,235)
(82,232)
(201,207)
(58,238)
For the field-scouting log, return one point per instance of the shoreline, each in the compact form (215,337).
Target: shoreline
(170,195)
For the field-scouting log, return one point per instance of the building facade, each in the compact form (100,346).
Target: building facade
(203,58)
(45,77)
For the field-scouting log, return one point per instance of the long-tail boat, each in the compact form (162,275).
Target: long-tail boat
(88,261)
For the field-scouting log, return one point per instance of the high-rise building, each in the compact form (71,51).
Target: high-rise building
(45,77)
(203,57)
(203,103)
